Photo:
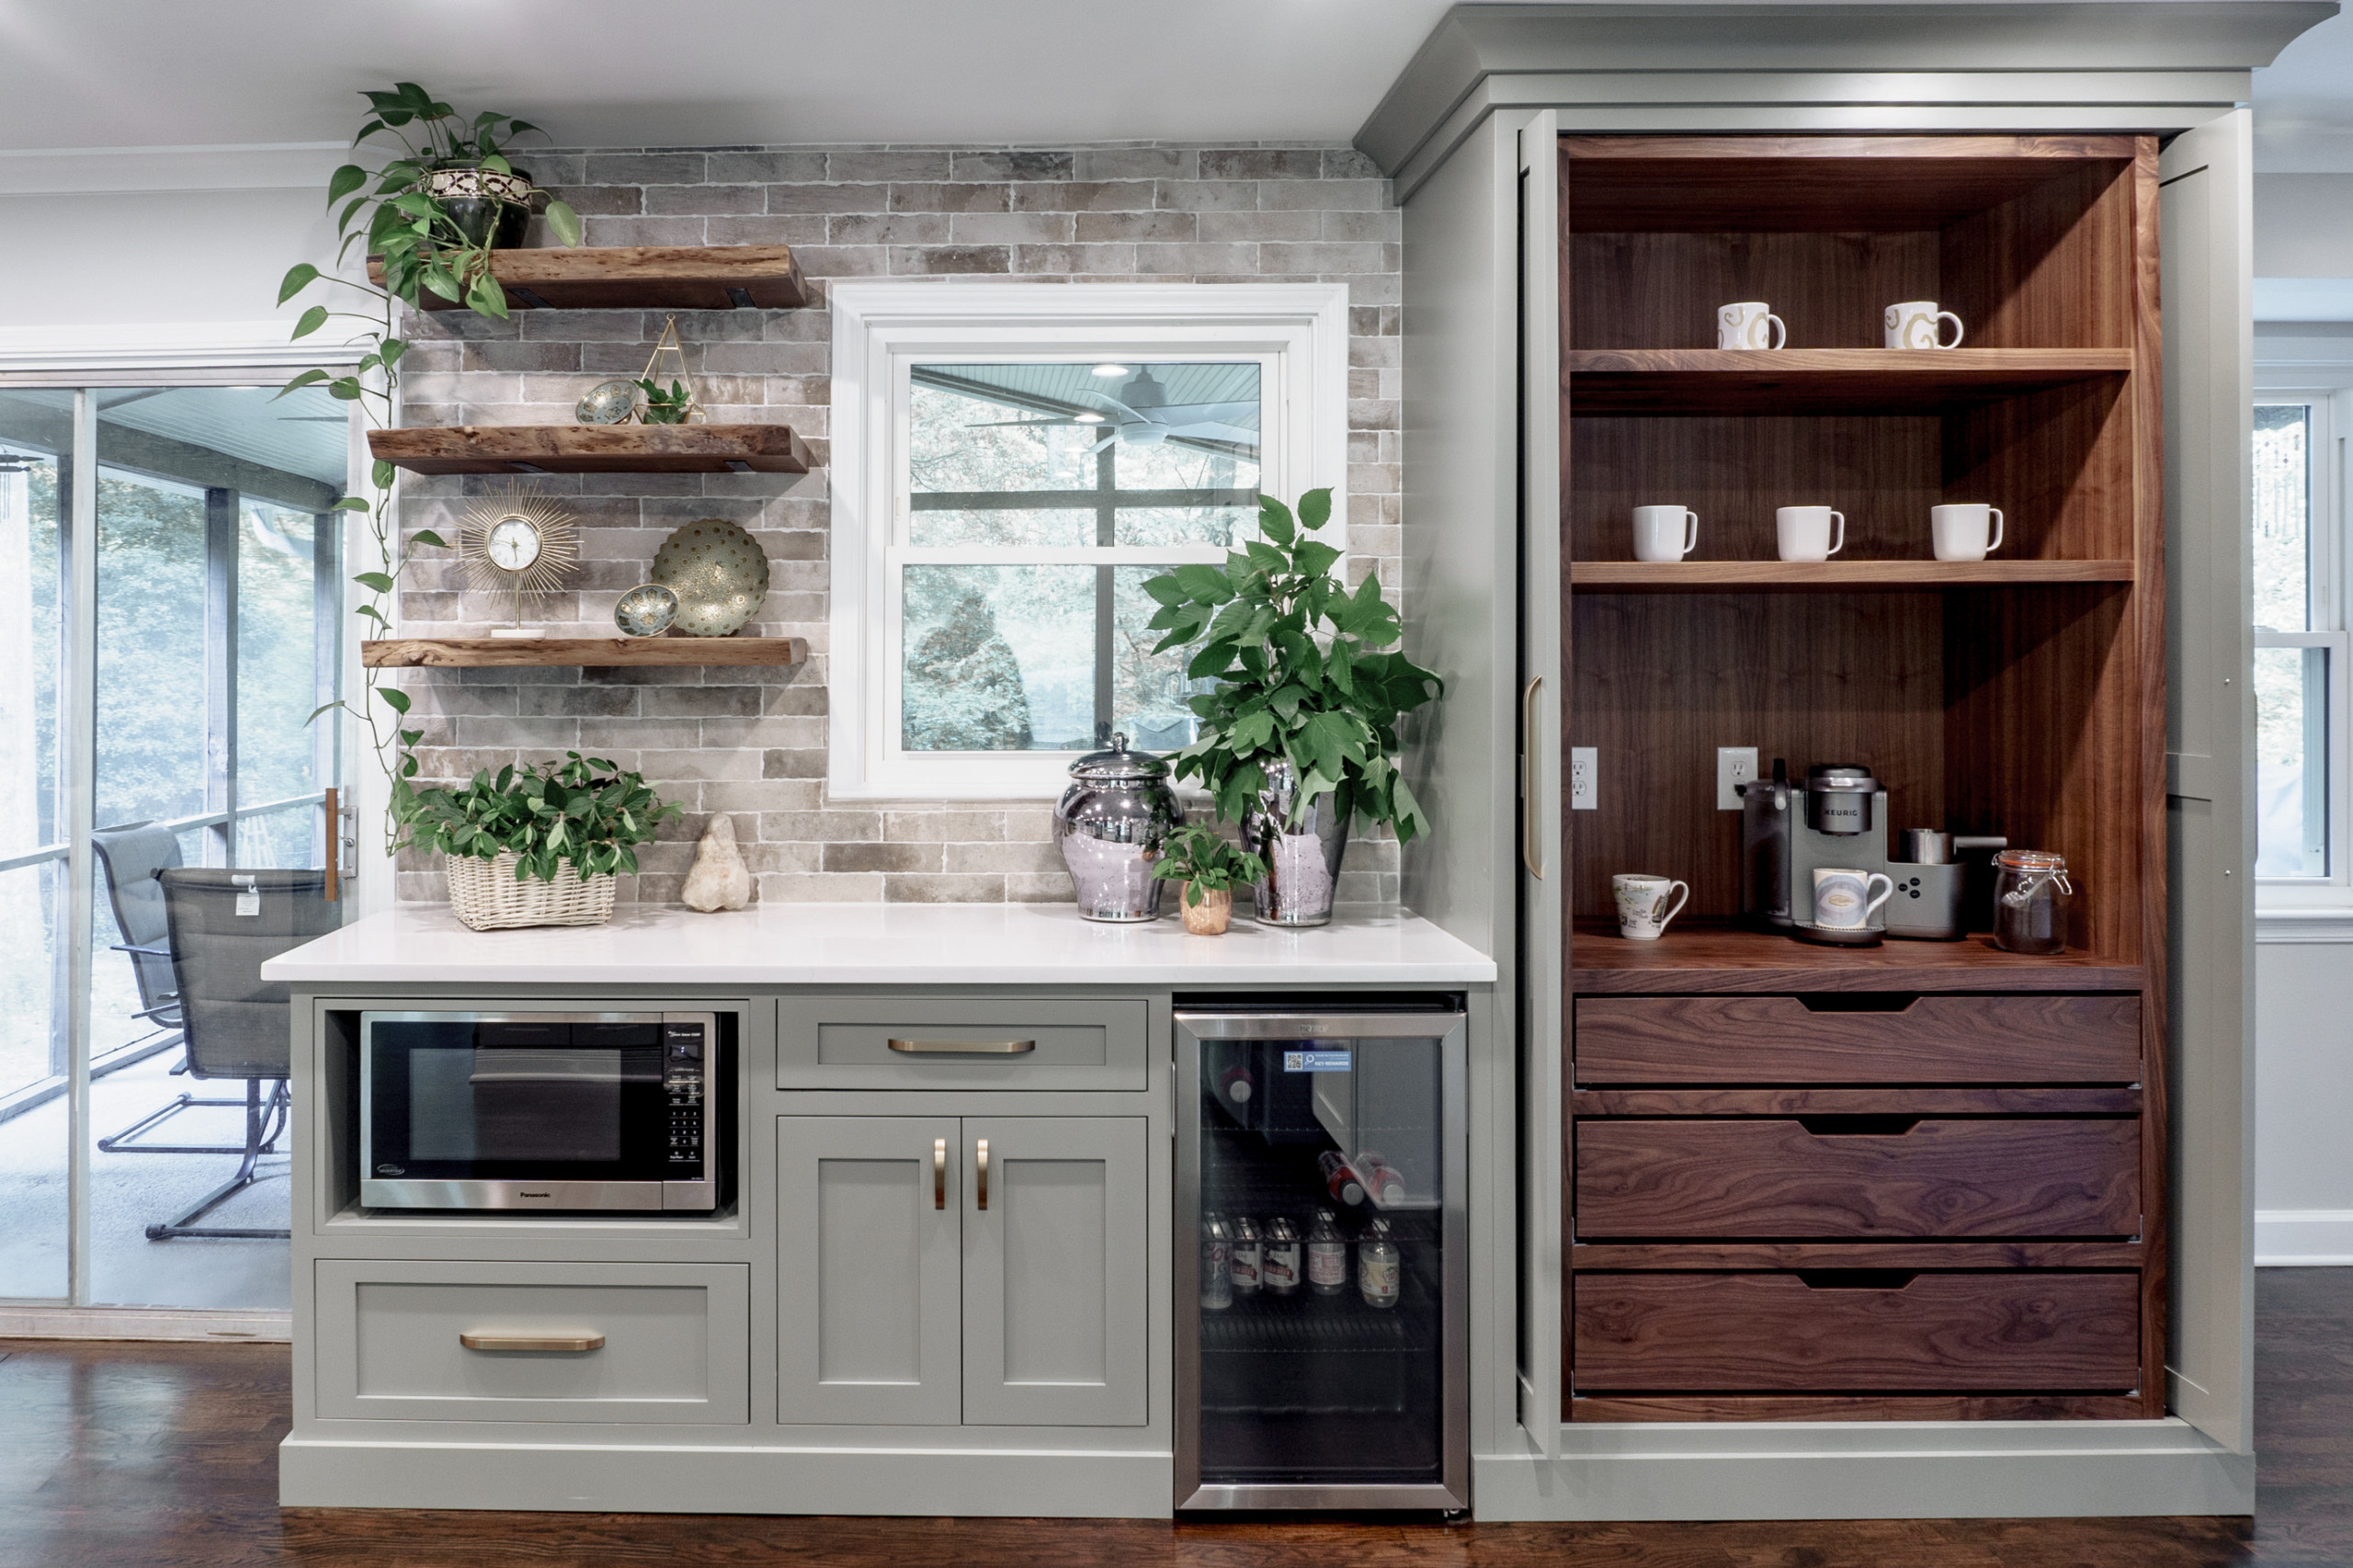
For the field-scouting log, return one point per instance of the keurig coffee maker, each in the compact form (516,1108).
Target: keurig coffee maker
(1837,817)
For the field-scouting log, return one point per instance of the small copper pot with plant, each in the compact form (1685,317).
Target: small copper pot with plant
(1209,867)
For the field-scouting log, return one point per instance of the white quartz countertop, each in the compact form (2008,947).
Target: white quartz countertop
(933,944)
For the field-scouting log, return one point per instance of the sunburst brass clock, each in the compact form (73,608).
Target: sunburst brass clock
(521,540)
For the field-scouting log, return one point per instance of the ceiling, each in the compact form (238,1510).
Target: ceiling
(625,73)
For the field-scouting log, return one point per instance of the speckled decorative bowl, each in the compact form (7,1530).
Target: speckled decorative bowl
(606,403)
(646,610)
(718,574)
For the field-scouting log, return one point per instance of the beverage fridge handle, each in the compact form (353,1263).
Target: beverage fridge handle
(981,1157)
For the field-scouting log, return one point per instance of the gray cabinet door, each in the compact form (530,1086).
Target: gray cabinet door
(1054,1271)
(866,1270)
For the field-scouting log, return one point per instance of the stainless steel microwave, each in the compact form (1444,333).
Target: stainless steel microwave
(580,1111)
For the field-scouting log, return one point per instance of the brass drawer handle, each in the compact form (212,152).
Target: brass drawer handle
(963,1047)
(939,1173)
(537,1342)
(981,1152)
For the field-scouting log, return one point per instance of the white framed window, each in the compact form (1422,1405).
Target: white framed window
(1011,463)
(2303,847)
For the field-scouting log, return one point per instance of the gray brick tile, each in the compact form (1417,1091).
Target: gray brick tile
(1018,163)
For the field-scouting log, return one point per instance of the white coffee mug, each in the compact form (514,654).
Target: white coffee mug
(1665,533)
(1751,323)
(1843,901)
(1806,532)
(1642,913)
(1917,323)
(1965,531)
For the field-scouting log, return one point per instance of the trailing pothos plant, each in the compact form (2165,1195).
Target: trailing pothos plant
(1301,676)
(388,213)
(583,812)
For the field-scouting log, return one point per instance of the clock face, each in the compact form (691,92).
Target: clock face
(512,544)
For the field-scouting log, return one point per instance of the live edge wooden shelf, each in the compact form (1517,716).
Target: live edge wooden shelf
(1830,576)
(516,652)
(592,448)
(1708,959)
(1821,380)
(652,277)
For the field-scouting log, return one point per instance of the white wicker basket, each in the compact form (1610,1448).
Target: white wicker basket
(485,895)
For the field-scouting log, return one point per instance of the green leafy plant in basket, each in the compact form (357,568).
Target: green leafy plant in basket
(583,811)
(1204,862)
(1301,671)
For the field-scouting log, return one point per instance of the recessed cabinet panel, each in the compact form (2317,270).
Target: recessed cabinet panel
(566,1342)
(867,1308)
(1054,1265)
(860,1042)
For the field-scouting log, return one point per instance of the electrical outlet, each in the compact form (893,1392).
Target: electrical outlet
(1585,793)
(1735,766)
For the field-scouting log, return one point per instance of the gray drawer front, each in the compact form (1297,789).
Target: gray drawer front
(844,1042)
(676,1339)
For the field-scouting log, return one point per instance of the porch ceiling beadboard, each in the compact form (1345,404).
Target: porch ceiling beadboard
(752,741)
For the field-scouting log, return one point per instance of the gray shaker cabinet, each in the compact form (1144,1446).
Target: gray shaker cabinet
(974,1270)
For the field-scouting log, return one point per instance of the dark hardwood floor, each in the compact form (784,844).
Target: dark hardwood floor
(162,1456)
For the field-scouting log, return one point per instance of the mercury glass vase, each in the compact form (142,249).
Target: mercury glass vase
(1302,858)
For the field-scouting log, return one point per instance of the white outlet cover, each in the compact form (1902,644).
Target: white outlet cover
(1735,766)
(1584,791)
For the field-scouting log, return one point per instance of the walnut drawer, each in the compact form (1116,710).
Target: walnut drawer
(2032,1330)
(1857,1177)
(1927,1039)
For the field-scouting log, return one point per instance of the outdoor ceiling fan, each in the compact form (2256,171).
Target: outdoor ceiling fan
(1142,415)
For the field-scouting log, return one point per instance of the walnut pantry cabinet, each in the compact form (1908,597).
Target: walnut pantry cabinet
(1809,1231)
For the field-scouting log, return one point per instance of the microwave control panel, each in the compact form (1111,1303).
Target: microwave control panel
(683,1054)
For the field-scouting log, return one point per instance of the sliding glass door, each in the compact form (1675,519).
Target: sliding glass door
(208,633)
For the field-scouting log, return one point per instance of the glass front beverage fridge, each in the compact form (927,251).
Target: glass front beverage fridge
(1321,1267)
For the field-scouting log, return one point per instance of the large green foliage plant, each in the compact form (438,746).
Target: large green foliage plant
(1302,677)
(583,811)
(387,214)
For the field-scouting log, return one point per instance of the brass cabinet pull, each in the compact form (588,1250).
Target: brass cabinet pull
(981,1152)
(963,1047)
(939,1173)
(1527,737)
(540,1342)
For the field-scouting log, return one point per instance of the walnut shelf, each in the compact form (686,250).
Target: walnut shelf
(1711,959)
(1830,576)
(593,449)
(652,277)
(1822,380)
(480,652)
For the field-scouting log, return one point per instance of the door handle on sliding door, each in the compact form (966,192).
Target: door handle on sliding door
(1528,838)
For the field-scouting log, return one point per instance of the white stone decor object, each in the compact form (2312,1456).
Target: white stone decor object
(720,879)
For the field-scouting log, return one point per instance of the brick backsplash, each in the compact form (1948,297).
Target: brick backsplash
(752,742)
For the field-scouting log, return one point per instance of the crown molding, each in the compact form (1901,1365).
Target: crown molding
(273,165)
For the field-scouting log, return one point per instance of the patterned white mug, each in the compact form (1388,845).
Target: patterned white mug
(1917,323)
(1642,913)
(1750,323)
(1843,901)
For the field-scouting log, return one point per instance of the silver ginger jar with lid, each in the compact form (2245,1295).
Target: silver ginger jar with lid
(1111,825)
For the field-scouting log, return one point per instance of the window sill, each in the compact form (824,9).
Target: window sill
(2301,925)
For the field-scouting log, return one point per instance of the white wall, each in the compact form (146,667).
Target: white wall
(2303,247)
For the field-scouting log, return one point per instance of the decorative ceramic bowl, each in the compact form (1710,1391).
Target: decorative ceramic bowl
(608,403)
(646,610)
(718,574)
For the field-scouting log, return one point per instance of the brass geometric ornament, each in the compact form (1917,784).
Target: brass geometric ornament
(519,538)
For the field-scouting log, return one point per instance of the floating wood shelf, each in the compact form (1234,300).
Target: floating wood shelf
(1821,380)
(649,278)
(483,652)
(1707,959)
(1830,576)
(593,449)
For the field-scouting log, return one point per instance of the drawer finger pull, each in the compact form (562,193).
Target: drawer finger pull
(1857,1278)
(534,1342)
(1853,1125)
(962,1047)
(939,1173)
